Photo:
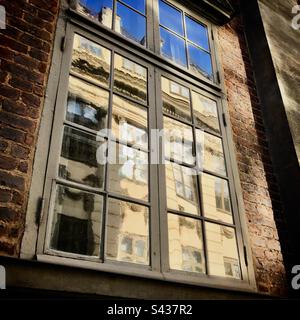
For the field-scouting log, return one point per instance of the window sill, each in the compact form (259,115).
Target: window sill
(141,271)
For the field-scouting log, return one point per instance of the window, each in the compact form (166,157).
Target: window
(115,197)
(184,40)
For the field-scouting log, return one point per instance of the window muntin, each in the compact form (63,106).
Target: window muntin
(121,16)
(184,41)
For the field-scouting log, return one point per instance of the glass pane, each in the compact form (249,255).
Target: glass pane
(185,244)
(211,156)
(197,33)
(87,104)
(90,60)
(170,17)
(178,141)
(205,112)
(182,191)
(172,47)
(127,232)
(130,24)
(176,99)
(78,161)
(76,221)
(129,122)
(130,78)
(200,61)
(216,198)
(223,256)
(100,10)
(139,5)
(129,176)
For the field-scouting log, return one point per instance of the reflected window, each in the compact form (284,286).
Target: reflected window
(78,161)
(91,61)
(130,122)
(222,248)
(128,222)
(205,113)
(182,188)
(185,244)
(176,99)
(130,79)
(126,245)
(178,141)
(76,222)
(87,104)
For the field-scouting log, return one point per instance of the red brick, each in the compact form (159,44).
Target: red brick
(13,44)
(20,152)
(9,92)
(17,121)
(31,99)
(11,181)
(7,163)
(5,195)
(7,214)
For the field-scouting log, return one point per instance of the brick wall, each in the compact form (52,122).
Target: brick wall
(260,191)
(25,52)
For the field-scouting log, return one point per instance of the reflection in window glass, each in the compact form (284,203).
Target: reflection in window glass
(200,61)
(130,78)
(197,33)
(129,176)
(78,162)
(172,47)
(139,5)
(211,156)
(76,221)
(205,112)
(178,141)
(129,122)
(216,199)
(222,246)
(126,219)
(176,99)
(87,104)
(91,60)
(100,10)
(185,244)
(170,17)
(130,24)
(126,245)
(182,189)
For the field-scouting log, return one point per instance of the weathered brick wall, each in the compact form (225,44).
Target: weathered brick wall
(260,191)
(25,53)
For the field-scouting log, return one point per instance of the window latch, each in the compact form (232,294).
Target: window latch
(39,210)
(245,256)
(224,119)
(63,44)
